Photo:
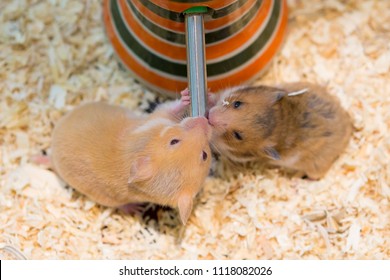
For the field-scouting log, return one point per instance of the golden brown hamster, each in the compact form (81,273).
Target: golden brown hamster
(298,125)
(116,158)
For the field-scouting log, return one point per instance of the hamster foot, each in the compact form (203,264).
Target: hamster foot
(132,208)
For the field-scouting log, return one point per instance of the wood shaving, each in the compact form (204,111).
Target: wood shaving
(54,55)
(294,93)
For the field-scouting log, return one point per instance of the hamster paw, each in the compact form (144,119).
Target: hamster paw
(310,178)
(132,208)
(185,97)
(43,160)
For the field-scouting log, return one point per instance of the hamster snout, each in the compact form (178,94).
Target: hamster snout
(198,122)
(215,119)
(195,124)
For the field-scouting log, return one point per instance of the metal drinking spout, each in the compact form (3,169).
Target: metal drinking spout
(196,60)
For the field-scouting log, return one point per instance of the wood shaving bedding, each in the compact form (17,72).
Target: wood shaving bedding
(54,55)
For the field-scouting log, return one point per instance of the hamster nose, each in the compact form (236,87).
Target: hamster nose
(204,156)
(197,121)
(211,119)
(202,121)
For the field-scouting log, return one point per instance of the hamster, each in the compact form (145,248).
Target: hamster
(115,157)
(298,126)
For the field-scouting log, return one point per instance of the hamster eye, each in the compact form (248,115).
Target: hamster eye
(237,135)
(236,104)
(204,156)
(174,142)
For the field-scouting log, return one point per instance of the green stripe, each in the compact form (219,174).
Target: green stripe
(179,69)
(167,14)
(231,30)
(210,37)
(167,35)
(229,9)
(260,42)
(175,16)
(149,58)
(190,1)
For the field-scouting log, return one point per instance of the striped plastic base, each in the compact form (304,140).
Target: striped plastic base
(241,37)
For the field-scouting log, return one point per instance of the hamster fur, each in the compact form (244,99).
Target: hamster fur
(306,131)
(116,158)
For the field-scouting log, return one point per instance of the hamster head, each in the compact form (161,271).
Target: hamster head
(243,122)
(174,164)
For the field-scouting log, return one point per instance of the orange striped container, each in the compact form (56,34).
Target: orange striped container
(241,39)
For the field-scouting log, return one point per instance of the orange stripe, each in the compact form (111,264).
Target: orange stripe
(219,22)
(214,51)
(233,43)
(180,27)
(161,47)
(139,70)
(181,7)
(250,71)
(160,21)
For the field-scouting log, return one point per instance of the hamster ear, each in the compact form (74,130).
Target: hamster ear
(278,96)
(271,153)
(141,170)
(185,207)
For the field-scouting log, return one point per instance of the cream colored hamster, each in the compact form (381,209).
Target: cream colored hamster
(298,126)
(116,158)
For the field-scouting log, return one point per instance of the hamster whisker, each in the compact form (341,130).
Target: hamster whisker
(185,115)
(215,147)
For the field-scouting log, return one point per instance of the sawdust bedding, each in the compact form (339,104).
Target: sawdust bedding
(54,55)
